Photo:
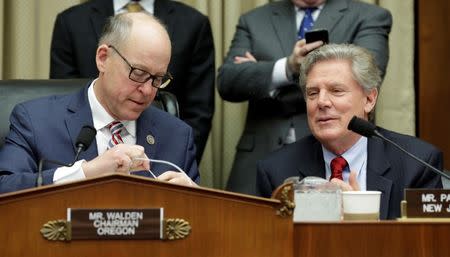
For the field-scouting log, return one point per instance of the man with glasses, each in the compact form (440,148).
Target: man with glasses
(117,105)
(142,76)
(76,34)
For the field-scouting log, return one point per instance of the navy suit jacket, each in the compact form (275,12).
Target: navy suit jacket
(269,33)
(75,40)
(388,170)
(47,128)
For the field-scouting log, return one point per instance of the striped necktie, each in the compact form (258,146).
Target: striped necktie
(307,22)
(116,128)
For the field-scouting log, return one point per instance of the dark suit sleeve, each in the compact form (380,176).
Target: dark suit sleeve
(198,106)
(190,166)
(263,186)
(18,157)
(373,34)
(62,62)
(428,178)
(245,81)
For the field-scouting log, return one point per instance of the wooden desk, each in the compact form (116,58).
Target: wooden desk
(223,224)
(366,239)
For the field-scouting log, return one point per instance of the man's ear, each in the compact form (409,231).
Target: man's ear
(101,57)
(371,100)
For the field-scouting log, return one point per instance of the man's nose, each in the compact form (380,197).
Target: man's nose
(323,99)
(147,88)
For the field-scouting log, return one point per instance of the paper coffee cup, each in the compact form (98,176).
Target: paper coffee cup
(361,205)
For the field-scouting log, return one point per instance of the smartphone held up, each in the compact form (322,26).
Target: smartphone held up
(317,35)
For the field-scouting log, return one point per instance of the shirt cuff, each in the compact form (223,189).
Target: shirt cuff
(279,75)
(68,174)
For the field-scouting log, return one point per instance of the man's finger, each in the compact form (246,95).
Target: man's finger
(344,186)
(353,181)
(250,56)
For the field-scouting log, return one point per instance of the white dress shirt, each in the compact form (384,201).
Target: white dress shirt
(101,119)
(356,158)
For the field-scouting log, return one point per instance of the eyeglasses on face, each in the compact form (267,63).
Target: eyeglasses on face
(142,76)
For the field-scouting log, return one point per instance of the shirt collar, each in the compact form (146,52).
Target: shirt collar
(356,156)
(101,117)
(148,5)
(320,7)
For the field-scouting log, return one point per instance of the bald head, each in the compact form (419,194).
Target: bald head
(133,46)
(128,28)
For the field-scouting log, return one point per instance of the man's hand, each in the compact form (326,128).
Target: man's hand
(301,49)
(247,58)
(176,178)
(120,159)
(352,185)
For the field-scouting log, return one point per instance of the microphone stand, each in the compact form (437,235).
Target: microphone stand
(443,174)
(40,178)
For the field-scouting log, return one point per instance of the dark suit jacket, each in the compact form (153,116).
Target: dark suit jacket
(388,170)
(269,33)
(47,128)
(78,29)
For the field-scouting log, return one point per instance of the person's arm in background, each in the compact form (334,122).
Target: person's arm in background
(239,82)
(62,62)
(244,76)
(198,108)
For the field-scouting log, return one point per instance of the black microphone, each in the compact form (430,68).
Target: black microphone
(84,140)
(367,129)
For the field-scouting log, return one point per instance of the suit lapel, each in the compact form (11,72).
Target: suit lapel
(79,115)
(99,12)
(283,20)
(312,164)
(331,13)
(377,166)
(145,131)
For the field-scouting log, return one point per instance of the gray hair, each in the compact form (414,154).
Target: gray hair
(364,68)
(118,28)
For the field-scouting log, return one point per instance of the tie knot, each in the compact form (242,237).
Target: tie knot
(307,22)
(116,128)
(134,6)
(338,165)
(309,10)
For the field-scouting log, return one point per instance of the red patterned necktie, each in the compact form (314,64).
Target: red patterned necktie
(338,165)
(116,128)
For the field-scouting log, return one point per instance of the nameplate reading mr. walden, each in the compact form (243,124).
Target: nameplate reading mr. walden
(116,223)
(427,203)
